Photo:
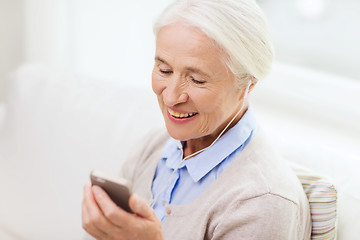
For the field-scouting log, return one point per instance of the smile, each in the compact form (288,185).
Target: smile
(180,115)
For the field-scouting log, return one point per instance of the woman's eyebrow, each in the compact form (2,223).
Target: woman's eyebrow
(198,71)
(160,60)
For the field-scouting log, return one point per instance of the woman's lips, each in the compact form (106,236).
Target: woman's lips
(179,117)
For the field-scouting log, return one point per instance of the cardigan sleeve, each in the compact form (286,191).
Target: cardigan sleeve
(141,151)
(267,216)
(128,168)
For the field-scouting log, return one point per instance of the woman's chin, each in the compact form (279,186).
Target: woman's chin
(178,133)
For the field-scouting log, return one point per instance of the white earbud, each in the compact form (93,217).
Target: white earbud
(247,90)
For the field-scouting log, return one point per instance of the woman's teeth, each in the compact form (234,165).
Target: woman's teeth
(180,115)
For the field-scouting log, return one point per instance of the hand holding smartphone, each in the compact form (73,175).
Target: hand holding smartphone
(118,189)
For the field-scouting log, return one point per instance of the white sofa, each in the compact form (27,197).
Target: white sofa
(56,127)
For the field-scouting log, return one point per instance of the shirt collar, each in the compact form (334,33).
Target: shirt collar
(204,162)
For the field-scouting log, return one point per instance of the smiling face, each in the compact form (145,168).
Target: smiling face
(196,91)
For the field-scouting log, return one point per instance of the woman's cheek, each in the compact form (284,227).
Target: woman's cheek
(204,100)
(158,84)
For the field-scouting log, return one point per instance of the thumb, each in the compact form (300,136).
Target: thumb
(140,207)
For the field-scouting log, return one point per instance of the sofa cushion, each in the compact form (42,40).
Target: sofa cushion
(322,197)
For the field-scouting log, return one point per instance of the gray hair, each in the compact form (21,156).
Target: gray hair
(238,28)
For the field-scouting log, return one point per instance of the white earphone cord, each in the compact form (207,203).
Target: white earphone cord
(154,200)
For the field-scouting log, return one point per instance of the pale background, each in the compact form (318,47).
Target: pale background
(112,39)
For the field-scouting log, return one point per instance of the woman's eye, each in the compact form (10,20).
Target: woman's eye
(197,81)
(165,71)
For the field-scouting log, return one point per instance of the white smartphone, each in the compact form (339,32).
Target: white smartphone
(118,189)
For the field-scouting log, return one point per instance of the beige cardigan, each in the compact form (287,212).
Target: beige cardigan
(256,197)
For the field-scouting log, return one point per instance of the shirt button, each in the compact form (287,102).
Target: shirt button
(168,211)
(163,203)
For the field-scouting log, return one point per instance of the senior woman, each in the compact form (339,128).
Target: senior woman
(213,174)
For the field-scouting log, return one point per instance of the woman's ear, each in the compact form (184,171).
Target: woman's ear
(253,83)
(244,90)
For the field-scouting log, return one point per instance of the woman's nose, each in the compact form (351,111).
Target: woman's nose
(175,93)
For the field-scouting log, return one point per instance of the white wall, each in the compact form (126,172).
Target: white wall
(114,40)
(322,36)
(11,38)
(109,39)
(46,30)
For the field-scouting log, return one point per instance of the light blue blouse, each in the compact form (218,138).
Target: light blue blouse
(197,173)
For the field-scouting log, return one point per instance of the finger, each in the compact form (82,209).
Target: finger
(91,214)
(141,208)
(93,220)
(89,226)
(111,211)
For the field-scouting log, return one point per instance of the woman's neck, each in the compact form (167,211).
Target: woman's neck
(192,146)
